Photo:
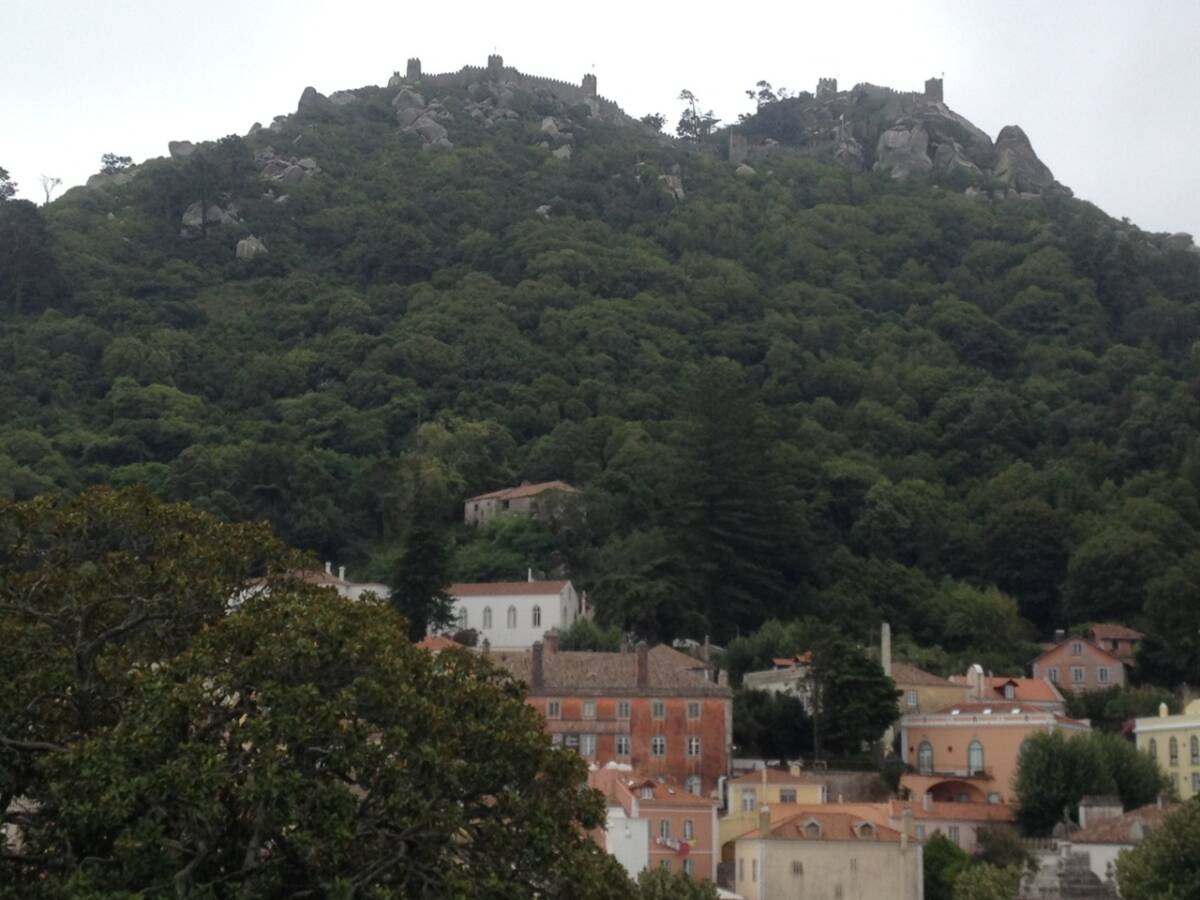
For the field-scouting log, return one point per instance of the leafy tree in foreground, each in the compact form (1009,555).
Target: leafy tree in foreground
(987,882)
(853,700)
(584,634)
(944,860)
(302,746)
(660,884)
(771,725)
(1165,866)
(419,578)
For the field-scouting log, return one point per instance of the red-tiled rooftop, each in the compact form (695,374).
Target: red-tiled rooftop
(1108,631)
(1120,829)
(437,643)
(903,673)
(835,826)
(525,490)
(1047,649)
(504,588)
(583,672)
(967,812)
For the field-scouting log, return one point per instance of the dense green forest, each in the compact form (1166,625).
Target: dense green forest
(803,393)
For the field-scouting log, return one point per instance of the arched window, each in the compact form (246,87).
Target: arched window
(975,757)
(462,617)
(925,758)
(487,617)
(512,617)
(1173,751)
(1195,750)
(1154,749)
(537,616)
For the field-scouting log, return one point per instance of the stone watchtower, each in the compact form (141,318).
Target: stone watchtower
(933,89)
(826,87)
(414,70)
(495,65)
(589,84)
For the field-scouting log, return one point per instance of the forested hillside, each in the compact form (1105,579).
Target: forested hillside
(787,392)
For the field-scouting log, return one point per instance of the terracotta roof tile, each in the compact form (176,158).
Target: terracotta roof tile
(525,490)
(504,588)
(963,812)
(1108,631)
(591,672)
(437,643)
(835,826)
(1119,830)
(1096,647)
(903,673)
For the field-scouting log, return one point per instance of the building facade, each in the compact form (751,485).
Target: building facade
(922,692)
(656,824)
(968,753)
(538,501)
(647,709)
(1076,664)
(1118,640)
(512,615)
(775,789)
(1039,693)
(1174,742)
(825,855)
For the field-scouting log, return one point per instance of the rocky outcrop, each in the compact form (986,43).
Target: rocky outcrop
(102,180)
(180,149)
(284,169)
(250,247)
(342,98)
(311,99)
(195,217)
(673,185)
(1018,167)
(416,116)
(745,171)
(903,150)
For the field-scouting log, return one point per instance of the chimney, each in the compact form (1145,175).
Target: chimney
(926,801)
(885,648)
(530,573)
(975,681)
(341,573)
(643,665)
(1060,635)
(550,640)
(1162,710)
(794,769)
(905,828)
(328,567)
(764,782)
(723,678)
(764,820)
(536,677)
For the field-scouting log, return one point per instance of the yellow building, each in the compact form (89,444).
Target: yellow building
(922,692)
(775,788)
(1174,742)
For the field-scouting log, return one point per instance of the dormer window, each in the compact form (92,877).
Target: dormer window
(1009,692)
(647,793)
(812,829)
(866,831)
(1077,649)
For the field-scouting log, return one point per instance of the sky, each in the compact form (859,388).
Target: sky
(1105,89)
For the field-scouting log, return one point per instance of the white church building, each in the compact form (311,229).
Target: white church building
(512,615)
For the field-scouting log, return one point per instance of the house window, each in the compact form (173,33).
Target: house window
(1076,674)
(589,709)
(689,830)
(692,785)
(512,617)
(664,828)
(741,869)
(1053,675)
(912,698)
(853,864)
(1009,692)
(1175,782)
(693,710)
(952,833)
(537,616)
(622,745)
(749,799)
(975,757)
(812,830)
(553,710)
(658,746)
(754,870)
(920,832)
(1195,750)
(787,795)
(994,797)
(623,709)
(487,617)
(462,617)
(1173,751)
(658,709)
(693,746)
(1154,749)
(688,868)
(797,867)
(925,758)
(1196,782)
(1077,649)
(647,793)
(587,745)
(1102,674)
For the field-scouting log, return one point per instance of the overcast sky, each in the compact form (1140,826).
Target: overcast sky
(1106,91)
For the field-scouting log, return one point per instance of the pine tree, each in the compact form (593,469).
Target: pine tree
(419,578)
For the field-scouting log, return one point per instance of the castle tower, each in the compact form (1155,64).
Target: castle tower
(589,84)
(933,89)
(495,65)
(414,69)
(826,87)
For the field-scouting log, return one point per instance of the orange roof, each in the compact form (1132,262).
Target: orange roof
(437,643)
(1050,648)
(1108,631)
(834,826)
(505,588)
(903,673)
(1032,690)
(525,490)
(1120,829)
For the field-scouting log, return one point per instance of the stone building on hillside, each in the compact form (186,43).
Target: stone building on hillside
(649,709)
(538,501)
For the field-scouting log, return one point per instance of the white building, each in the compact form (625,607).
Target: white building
(512,615)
